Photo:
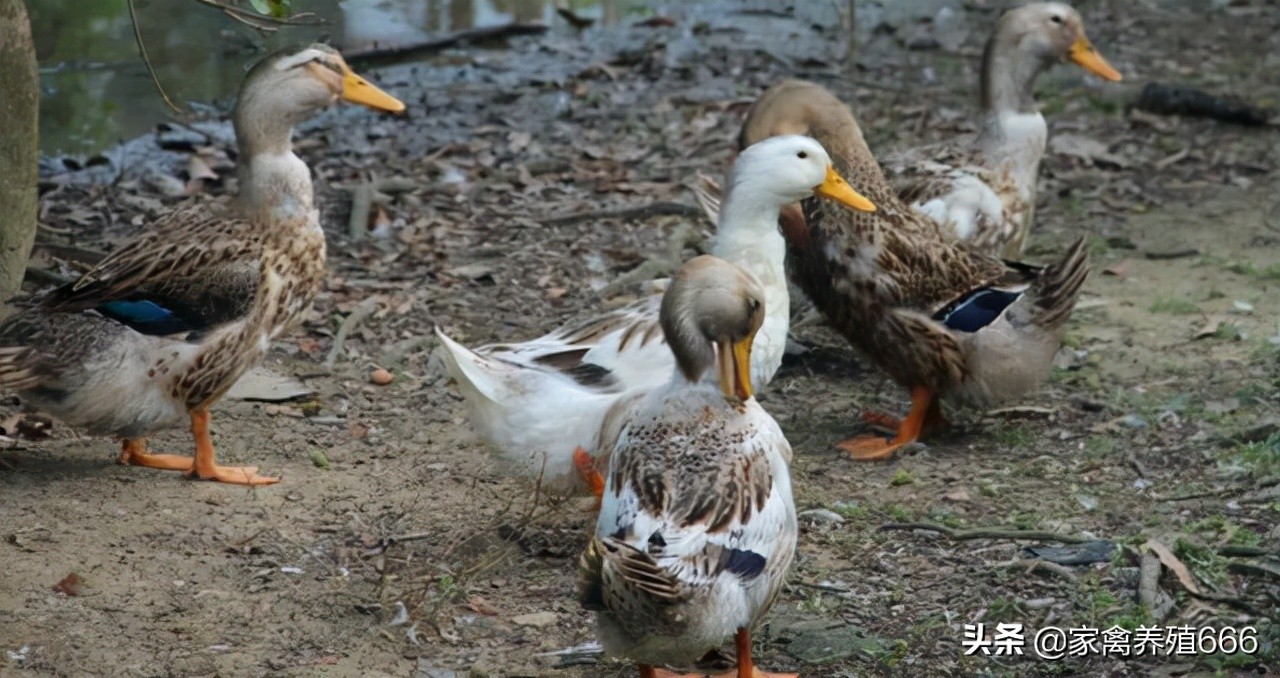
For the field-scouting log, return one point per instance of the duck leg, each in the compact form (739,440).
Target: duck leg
(133,452)
(934,420)
(204,467)
(746,667)
(586,466)
(870,448)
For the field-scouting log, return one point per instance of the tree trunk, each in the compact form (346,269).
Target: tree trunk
(19,108)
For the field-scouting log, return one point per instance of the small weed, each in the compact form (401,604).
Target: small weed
(1018,435)
(902,478)
(850,510)
(1256,460)
(1203,561)
(1173,306)
(900,514)
(1005,610)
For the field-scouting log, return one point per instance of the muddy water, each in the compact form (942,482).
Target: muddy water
(96,92)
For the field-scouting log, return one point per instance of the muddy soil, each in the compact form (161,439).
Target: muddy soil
(394,546)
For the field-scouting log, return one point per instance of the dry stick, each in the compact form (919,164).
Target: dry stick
(1149,581)
(405,52)
(365,195)
(990,533)
(1033,565)
(263,22)
(142,52)
(40,275)
(656,209)
(358,315)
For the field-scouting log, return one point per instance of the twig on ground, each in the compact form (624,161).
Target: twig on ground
(990,533)
(1149,581)
(660,264)
(1172,254)
(40,275)
(264,22)
(1132,458)
(1034,565)
(405,52)
(358,315)
(365,195)
(657,209)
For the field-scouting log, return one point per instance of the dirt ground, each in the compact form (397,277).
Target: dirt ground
(394,547)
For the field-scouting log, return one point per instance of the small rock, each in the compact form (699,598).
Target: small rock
(425,670)
(381,377)
(1133,421)
(535,620)
(821,516)
(823,647)
(1087,502)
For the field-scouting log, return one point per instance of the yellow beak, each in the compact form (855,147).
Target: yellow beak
(1083,53)
(734,368)
(357,90)
(834,187)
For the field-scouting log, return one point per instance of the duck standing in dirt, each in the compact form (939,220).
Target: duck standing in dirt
(697,526)
(161,328)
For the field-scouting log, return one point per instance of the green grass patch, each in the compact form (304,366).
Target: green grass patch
(1173,306)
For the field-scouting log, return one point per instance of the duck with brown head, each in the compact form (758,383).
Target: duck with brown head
(158,331)
(944,320)
(983,191)
(698,525)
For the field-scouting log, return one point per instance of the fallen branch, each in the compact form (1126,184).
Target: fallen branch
(1181,100)
(1172,254)
(365,195)
(43,276)
(263,22)
(382,55)
(358,315)
(1035,565)
(989,533)
(657,209)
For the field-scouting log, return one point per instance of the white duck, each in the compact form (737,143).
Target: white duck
(983,191)
(543,403)
(697,526)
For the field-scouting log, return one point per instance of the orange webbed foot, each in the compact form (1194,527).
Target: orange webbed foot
(870,448)
(882,420)
(586,466)
(233,475)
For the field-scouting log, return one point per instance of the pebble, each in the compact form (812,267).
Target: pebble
(381,377)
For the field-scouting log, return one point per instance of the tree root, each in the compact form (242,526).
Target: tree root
(990,533)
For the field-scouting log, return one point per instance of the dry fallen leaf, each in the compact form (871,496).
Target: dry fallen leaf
(1171,561)
(70,585)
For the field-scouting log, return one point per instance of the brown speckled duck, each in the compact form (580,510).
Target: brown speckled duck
(161,328)
(942,319)
(983,191)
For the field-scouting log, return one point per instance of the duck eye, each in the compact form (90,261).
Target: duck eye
(1055,19)
(802,154)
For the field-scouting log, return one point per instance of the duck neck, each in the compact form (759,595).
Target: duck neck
(274,181)
(1013,131)
(747,232)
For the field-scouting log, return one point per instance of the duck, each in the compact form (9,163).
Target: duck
(698,526)
(942,318)
(983,190)
(542,404)
(153,335)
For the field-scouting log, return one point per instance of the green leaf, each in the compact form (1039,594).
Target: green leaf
(261,6)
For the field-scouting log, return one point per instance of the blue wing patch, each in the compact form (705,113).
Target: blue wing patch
(745,564)
(977,310)
(146,316)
